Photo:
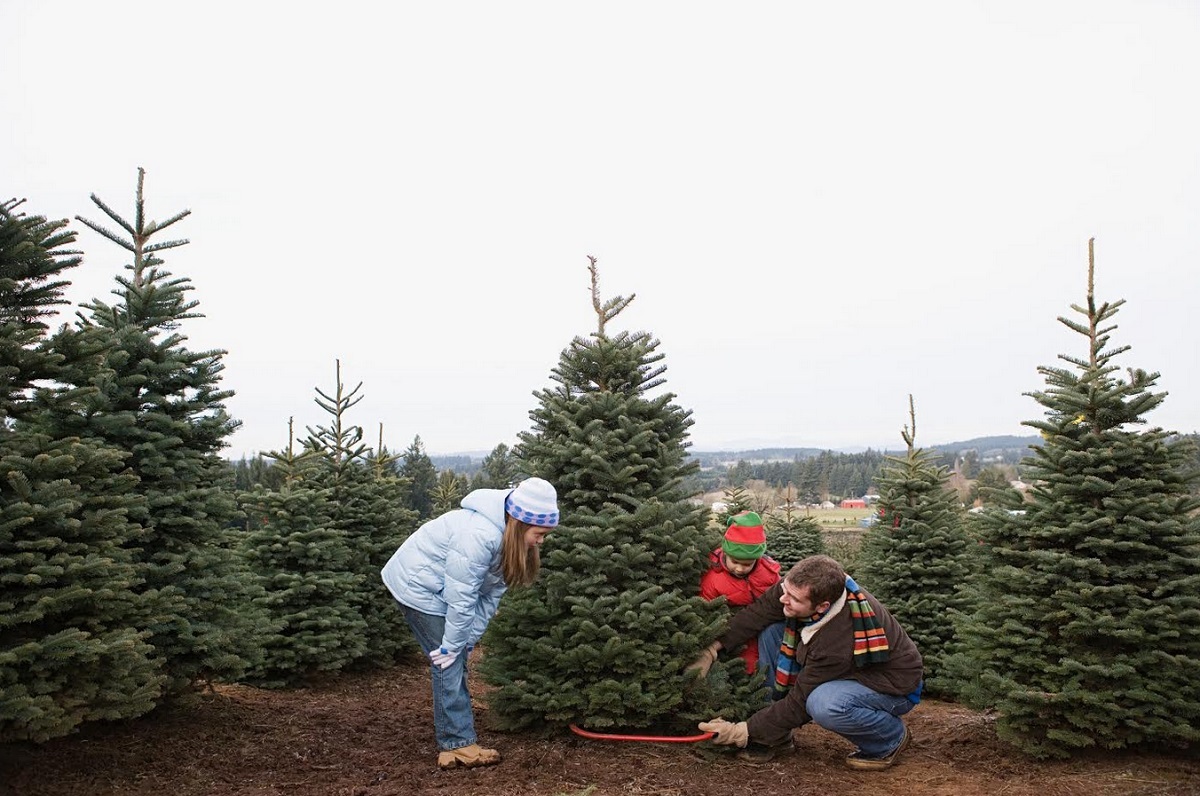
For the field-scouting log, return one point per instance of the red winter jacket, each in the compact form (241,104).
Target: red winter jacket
(739,592)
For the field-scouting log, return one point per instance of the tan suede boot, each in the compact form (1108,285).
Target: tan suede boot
(468,757)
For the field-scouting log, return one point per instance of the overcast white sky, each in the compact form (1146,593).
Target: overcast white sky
(822,207)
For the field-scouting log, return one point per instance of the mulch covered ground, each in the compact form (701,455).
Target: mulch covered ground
(371,735)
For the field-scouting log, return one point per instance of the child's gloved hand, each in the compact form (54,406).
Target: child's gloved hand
(727,732)
(442,659)
(707,658)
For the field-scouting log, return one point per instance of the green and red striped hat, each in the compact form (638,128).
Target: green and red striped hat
(745,538)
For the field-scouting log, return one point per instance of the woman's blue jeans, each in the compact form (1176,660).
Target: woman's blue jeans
(866,718)
(453,721)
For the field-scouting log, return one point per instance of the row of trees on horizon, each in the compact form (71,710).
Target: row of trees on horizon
(136,567)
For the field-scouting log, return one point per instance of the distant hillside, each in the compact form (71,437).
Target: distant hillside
(984,446)
(987,444)
(1007,447)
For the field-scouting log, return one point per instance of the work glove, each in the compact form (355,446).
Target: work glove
(707,658)
(727,732)
(442,659)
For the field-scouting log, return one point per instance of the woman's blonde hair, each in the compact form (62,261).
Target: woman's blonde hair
(519,561)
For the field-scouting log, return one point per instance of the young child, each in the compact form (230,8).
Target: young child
(741,571)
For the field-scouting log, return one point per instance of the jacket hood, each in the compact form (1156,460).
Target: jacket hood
(489,503)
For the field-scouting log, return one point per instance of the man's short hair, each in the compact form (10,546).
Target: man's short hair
(824,577)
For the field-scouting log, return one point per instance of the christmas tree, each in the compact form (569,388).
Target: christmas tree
(1086,634)
(603,636)
(366,510)
(164,404)
(790,536)
(916,558)
(70,646)
(737,501)
(307,572)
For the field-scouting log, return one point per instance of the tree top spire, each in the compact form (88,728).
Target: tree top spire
(605,311)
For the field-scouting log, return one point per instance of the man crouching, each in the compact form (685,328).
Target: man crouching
(845,663)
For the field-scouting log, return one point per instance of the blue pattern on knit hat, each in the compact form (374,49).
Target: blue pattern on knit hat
(533,501)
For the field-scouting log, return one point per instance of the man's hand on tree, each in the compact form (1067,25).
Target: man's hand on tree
(703,663)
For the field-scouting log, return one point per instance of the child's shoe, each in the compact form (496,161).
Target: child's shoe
(468,757)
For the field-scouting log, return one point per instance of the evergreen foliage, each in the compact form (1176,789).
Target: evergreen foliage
(916,558)
(249,473)
(498,471)
(737,501)
(70,596)
(307,573)
(388,637)
(366,510)
(790,536)
(448,492)
(603,636)
(1086,634)
(824,476)
(990,482)
(418,472)
(163,403)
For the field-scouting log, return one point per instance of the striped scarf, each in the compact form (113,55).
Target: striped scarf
(870,642)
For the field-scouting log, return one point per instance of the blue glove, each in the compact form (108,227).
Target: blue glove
(442,659)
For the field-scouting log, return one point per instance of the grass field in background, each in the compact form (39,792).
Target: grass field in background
(835,519)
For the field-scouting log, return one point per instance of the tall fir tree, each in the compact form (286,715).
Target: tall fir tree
(165,405)
(916,558)
(1086,634)
(71,605)
(601,639)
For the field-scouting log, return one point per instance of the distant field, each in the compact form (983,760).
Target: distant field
(836,519)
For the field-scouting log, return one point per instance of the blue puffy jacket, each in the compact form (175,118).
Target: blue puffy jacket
(450,567)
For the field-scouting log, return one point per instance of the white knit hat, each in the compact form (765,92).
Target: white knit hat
(533,501)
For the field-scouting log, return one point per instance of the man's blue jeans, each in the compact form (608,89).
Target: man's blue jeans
(866,718)
(453,722)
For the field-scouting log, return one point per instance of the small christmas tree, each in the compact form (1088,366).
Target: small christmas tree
(308,576)
(603,636)
(1086,631)
(790,536)
(916,559)
(737,501)
(366,509)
